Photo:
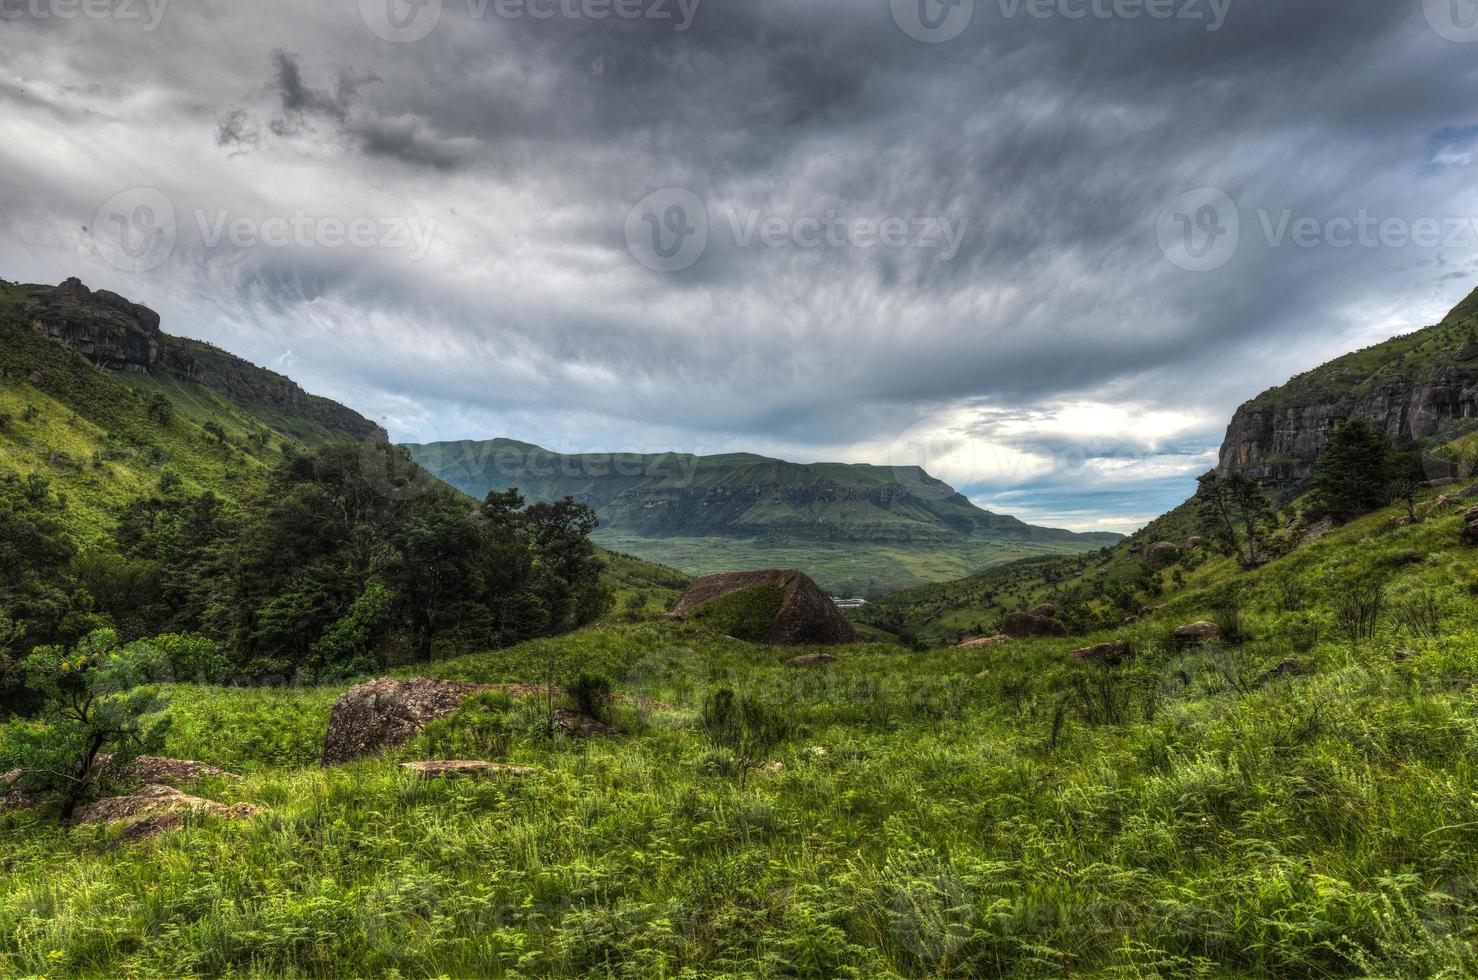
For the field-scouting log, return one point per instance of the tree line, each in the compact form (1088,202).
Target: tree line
(352,559)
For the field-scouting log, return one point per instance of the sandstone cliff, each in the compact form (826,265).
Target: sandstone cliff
(121,336)
(1417,387)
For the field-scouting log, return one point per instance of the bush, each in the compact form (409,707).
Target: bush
(592,696)
(193,658)
(745,727)
(92,701)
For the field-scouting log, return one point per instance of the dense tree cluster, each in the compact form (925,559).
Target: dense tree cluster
(351,560)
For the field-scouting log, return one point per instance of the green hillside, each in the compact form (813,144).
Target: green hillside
(855,528)
(1295,803)
(103,438)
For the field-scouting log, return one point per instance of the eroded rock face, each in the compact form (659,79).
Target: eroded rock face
(103,327)
(1276,437)
(1020,625)
(386,713)
(807,616)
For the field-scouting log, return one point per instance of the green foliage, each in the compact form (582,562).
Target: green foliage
(592,696)
(745,614)
(192,658)
(1353,473)
(91,702)
(1234,510)
(745,726)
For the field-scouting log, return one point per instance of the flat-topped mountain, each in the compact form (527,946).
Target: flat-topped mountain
(1415,387)
(706,513)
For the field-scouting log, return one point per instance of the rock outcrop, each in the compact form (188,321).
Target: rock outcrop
(1104,653)
(1020,625)
(806,615)
(1412,388)
(122,336)
(1161,554)
(1198,632)
(464,767)
(386,713)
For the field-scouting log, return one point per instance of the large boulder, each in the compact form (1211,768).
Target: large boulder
(385,713)
(1020,625)
(784,608)
(1160,554)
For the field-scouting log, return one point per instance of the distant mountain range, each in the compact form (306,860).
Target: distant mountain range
(854,527)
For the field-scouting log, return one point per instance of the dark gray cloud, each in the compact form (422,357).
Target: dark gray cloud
(1055,360)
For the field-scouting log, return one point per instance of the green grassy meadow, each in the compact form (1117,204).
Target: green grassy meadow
(987,812)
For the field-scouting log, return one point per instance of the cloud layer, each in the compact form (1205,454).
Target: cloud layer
(440,231)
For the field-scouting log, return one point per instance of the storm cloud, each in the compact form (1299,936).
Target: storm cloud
(1033,246)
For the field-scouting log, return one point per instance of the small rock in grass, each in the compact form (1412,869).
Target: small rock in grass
(813,660)
(464,767)
(1198,632)
(1105,653)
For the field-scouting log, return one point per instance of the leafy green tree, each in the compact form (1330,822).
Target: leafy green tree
(1233,509)
(160,409)
(1353,473)
(92,701)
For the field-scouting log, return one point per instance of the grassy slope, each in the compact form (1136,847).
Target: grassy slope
(1318,825)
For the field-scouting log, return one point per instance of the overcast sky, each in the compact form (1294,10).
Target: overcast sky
(1042,247)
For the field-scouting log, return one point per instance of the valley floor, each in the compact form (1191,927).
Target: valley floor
(1003,811)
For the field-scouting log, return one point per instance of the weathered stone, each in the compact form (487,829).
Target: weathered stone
(1160,554)
(581,726)
(1282,668)
(1045,609)
(158,799)
(807,616)
(385,713)
(464,767)
(1193,542)
(1470,516)
(1198,632)
(1105,653)
(975,642)
(1020,625)
(1470,535)
(813,660)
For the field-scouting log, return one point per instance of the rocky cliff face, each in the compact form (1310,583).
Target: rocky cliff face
(103,327)
(1414,387)
(122,336)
